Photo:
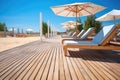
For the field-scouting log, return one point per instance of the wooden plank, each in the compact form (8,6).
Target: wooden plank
(81,68)
(47,66)
(41,70)
(9,55)
(4,66)
(28,66)
(87,61)
(113,67)
(66,69)
(51,69)
(20,67)
(34,73)
(98,58)
(33,66)
(111,74)
(56,74)
(109,61)
(15,54)
(15,58)
(61,65)
(12,52)
(103,70)
(93,69)
(91,75)
(78,73)
(11,68)
(72,71)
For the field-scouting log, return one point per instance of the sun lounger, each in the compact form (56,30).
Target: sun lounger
(80,33)
(100,41)
(73,34)
(70,34)
(83,35)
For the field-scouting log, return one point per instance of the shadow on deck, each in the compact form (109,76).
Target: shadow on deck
(97,55)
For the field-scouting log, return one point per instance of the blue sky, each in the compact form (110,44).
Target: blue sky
(24,14)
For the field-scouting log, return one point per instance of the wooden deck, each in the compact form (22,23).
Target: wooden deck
(46,61)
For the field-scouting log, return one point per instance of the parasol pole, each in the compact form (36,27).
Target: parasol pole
(114,19)
(76,22)
(40,26)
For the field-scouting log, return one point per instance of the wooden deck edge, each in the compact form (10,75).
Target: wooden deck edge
(108,47)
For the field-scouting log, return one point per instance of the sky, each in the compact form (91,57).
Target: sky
(25,14)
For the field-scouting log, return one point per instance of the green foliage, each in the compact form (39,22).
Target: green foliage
(79,26)
(97,26)
(86,25)
(45,28)
(3,26)
(90,22)
(49,30)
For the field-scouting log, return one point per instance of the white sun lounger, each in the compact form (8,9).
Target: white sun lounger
(83,36)
(99,42)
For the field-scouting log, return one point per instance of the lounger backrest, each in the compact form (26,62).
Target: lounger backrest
(103,34)
(87,33)
(73,34)
(118,35)
(81,32)
(70,33)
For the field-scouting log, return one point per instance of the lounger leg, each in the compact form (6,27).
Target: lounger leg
(65,50)
(62,41)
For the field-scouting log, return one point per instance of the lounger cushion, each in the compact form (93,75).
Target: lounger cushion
(79,43)
(103,34)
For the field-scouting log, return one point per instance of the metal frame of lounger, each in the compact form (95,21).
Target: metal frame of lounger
(103,46)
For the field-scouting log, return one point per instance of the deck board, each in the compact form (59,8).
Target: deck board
(46,61)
